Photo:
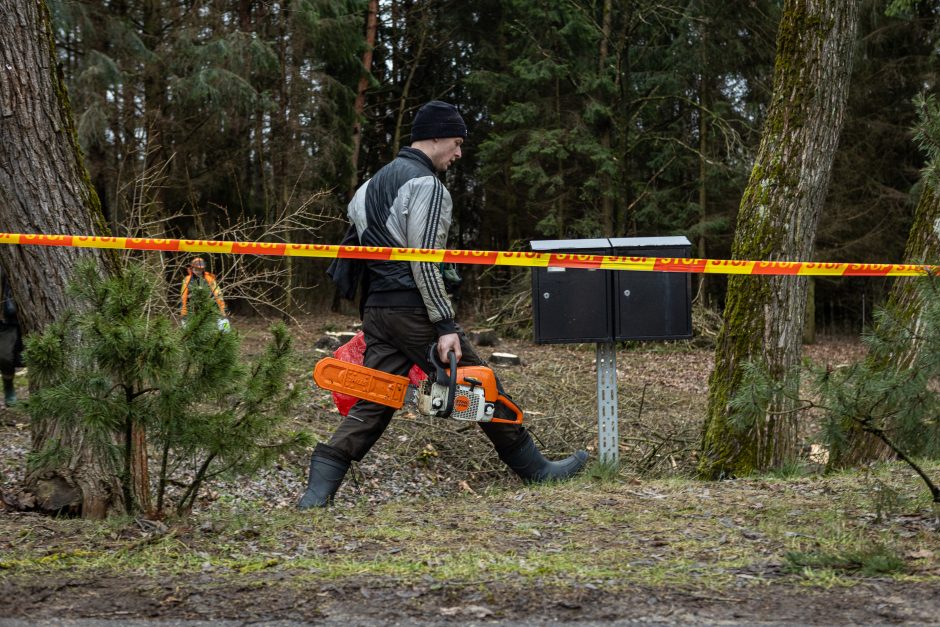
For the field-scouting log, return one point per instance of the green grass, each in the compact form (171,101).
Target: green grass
(871,561)
(820,532)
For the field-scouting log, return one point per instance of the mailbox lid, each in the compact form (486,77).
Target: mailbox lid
(594,246)
(644,243)
(652,305)
(572,305)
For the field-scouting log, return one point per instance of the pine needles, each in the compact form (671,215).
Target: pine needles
(122,372)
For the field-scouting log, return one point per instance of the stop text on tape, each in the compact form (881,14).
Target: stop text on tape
(477,257)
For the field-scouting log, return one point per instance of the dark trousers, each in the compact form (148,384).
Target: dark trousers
(11,347)
(396,338)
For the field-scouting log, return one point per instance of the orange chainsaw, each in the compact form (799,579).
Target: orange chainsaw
(468,393)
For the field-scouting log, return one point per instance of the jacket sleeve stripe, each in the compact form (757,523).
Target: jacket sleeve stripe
(431,274)
(430,229)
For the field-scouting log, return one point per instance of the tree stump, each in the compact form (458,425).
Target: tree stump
(505,359)
(483,337)
(327,343)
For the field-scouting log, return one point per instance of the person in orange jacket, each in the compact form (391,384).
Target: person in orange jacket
(196,271)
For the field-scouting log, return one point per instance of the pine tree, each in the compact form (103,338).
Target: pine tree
(224,415)
(895,406)
(905,300)
(115,366)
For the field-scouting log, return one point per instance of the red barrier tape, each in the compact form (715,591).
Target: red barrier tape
(478,257)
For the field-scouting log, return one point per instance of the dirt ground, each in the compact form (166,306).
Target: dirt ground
(358,602)
(430,528)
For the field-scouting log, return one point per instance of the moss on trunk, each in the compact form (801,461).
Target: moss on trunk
(47,189)
(777,220)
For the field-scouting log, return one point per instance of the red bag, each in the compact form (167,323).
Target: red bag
(354,352)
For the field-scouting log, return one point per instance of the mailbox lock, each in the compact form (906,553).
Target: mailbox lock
(626,293)
(546,295)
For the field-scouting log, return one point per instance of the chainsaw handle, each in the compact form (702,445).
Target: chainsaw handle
(441,378)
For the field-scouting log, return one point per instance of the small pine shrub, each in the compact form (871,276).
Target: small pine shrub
(115,367)
(898,405)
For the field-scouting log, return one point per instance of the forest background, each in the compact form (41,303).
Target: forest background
(587,118)
(254,120)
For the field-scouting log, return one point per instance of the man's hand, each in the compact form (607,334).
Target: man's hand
(447,343)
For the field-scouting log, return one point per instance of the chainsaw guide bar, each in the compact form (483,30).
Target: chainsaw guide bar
(366,383)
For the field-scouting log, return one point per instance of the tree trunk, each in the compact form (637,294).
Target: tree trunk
(372,25)
(607,200)
(809,324)
(158,144)
(763,319)
(44,187)
(904,303)
(406,87)
(704,106)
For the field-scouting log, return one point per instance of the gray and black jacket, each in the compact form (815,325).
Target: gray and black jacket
(406,205)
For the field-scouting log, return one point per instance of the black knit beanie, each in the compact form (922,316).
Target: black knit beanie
(437,119)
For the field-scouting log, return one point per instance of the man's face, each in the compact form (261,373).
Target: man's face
(198,270)
(446,151)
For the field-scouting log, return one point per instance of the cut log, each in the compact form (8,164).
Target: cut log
(505,359)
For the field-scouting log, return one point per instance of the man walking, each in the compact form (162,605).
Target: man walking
(406,307)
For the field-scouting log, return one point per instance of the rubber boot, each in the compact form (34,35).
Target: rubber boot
(327,469)
(9,392)
(526,461)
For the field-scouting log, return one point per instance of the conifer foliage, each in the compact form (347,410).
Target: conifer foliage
(898,406)
(121,369)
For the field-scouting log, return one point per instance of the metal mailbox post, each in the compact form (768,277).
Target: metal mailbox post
(602,306)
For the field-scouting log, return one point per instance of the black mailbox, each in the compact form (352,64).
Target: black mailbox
(577,305)
(652,305)
(572,305)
